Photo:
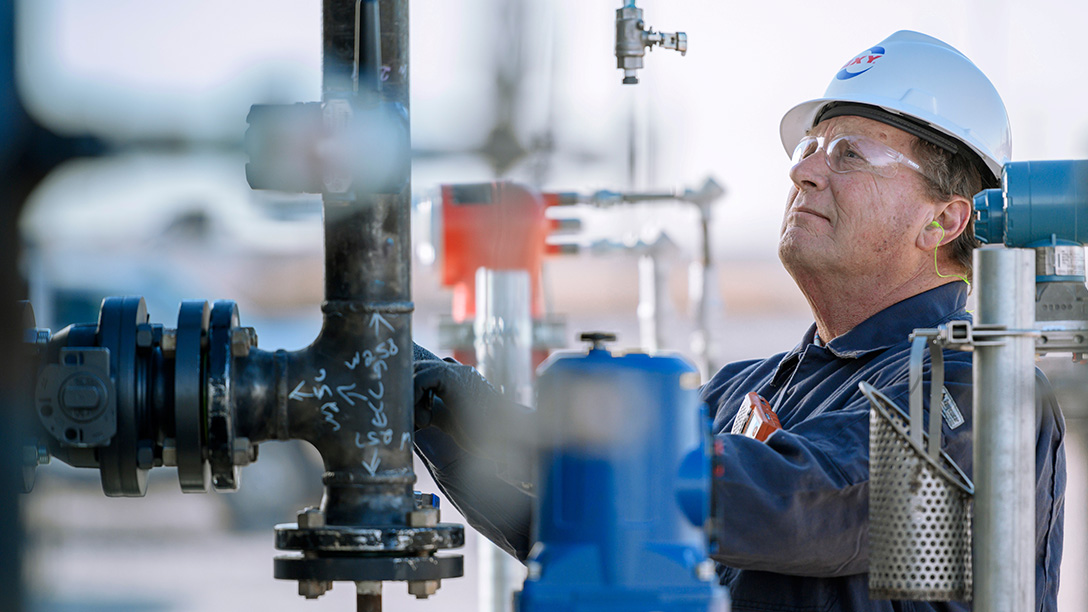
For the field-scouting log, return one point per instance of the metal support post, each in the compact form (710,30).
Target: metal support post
(651,299)
(504,339)
(504,331)
(1004,428)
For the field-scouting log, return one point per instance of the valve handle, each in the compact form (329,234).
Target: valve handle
(597,339)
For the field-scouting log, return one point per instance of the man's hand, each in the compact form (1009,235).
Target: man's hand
(456,399)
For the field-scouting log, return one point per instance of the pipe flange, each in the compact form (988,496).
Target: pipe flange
(123,469)
(190,413)
(369,568)
(219,396)
(389,539)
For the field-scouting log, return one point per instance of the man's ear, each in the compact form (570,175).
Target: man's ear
(949,221)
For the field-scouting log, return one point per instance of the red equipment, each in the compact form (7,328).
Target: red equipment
(499,226)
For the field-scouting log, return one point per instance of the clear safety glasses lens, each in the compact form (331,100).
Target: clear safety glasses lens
(851,153)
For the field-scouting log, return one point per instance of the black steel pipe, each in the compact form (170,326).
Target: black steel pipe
(366,336)
(350,392)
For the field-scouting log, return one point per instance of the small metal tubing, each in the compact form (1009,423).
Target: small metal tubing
(1004,430)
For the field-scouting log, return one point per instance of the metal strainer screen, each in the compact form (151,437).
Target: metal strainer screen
(919,514)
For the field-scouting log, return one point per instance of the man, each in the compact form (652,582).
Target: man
(877,235)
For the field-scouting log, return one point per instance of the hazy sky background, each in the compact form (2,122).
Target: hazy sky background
(131,69)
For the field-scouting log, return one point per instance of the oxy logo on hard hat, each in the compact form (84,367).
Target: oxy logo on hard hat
(861,63)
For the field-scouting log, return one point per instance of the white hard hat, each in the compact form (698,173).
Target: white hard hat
(919,84)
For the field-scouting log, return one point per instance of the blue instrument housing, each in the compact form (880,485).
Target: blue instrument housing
(1041,202)
(624,499)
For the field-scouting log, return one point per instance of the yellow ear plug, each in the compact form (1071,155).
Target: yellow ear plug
(962,278)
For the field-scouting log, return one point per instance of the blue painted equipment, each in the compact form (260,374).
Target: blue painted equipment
(624,488)
(1041,199)
(1043,205)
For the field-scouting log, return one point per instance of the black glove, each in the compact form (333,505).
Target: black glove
(424,399)
(421,354)
(454,398)
(458,400)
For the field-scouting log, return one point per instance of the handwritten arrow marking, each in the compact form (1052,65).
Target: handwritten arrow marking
(372,465)
(298,394)
(346,392)
(376,321)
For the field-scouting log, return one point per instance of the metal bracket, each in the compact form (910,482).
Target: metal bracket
(956,335)
(919,343)
(548,333)
(965,336)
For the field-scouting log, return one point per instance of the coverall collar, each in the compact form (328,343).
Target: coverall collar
(893,324)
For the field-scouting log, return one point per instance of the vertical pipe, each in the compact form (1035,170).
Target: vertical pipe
(1004,429)
(504,336)
(702,313)
(368,596)
(651,299)
(504,331)
(367,293)
(366,234)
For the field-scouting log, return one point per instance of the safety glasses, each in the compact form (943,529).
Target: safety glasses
(851,153)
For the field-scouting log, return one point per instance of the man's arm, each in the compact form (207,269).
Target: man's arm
(794,504)
(799,503)
(500,511)
(457,403)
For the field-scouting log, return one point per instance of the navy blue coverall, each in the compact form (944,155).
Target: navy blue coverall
(795,534)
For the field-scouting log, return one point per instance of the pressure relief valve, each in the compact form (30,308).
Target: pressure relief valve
(632,38)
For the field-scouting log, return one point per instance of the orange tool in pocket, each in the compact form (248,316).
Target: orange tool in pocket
(755,418)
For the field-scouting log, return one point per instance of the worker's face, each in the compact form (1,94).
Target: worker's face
(853,224)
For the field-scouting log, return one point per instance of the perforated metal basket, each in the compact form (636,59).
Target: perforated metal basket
(919,513)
